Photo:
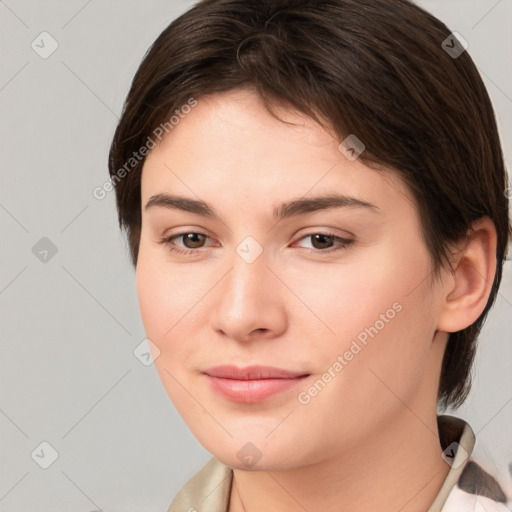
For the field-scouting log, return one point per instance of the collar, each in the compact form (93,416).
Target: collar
(457,442)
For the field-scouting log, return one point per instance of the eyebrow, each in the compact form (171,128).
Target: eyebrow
(285,210)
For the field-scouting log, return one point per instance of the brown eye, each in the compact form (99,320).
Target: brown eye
(193,240)
(190,240)
(321,241)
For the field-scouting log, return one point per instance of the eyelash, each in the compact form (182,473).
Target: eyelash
(344,242)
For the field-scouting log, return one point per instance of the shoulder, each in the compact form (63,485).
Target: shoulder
(208,490)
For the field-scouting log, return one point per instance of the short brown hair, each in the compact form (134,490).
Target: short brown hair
(373,68)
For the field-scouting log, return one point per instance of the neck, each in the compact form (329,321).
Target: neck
(399,468)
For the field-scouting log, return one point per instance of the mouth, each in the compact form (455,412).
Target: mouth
(252,384)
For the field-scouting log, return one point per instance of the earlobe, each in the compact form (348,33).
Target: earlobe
(468,289)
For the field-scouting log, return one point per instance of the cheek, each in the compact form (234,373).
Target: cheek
(166,294)
(346,301)
(384,329)
(172,302)
(383,376)
(151,297)
(166,308)
(159,299)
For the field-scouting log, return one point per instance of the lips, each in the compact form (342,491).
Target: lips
(252,372)
(252,384)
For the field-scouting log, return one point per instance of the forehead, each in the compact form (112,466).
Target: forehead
(229,146)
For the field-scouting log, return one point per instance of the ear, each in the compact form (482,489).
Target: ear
(467,289)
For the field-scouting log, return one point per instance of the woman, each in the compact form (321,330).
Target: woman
(314,197)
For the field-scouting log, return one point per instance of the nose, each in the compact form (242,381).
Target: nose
(249,301)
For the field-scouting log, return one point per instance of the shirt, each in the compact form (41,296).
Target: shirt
(466,488)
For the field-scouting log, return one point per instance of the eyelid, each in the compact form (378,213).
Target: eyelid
(326,230)
(297,236)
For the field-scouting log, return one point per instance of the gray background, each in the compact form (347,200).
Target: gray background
(70,324)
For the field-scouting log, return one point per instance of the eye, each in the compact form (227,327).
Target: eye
(193,240)
(322,241)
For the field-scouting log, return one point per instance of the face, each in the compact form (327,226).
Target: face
(340,295)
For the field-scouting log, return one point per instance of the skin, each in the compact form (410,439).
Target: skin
(368,440)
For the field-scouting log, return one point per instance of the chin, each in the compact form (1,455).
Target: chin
(260,454)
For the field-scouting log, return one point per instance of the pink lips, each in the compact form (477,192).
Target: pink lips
(253,383)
